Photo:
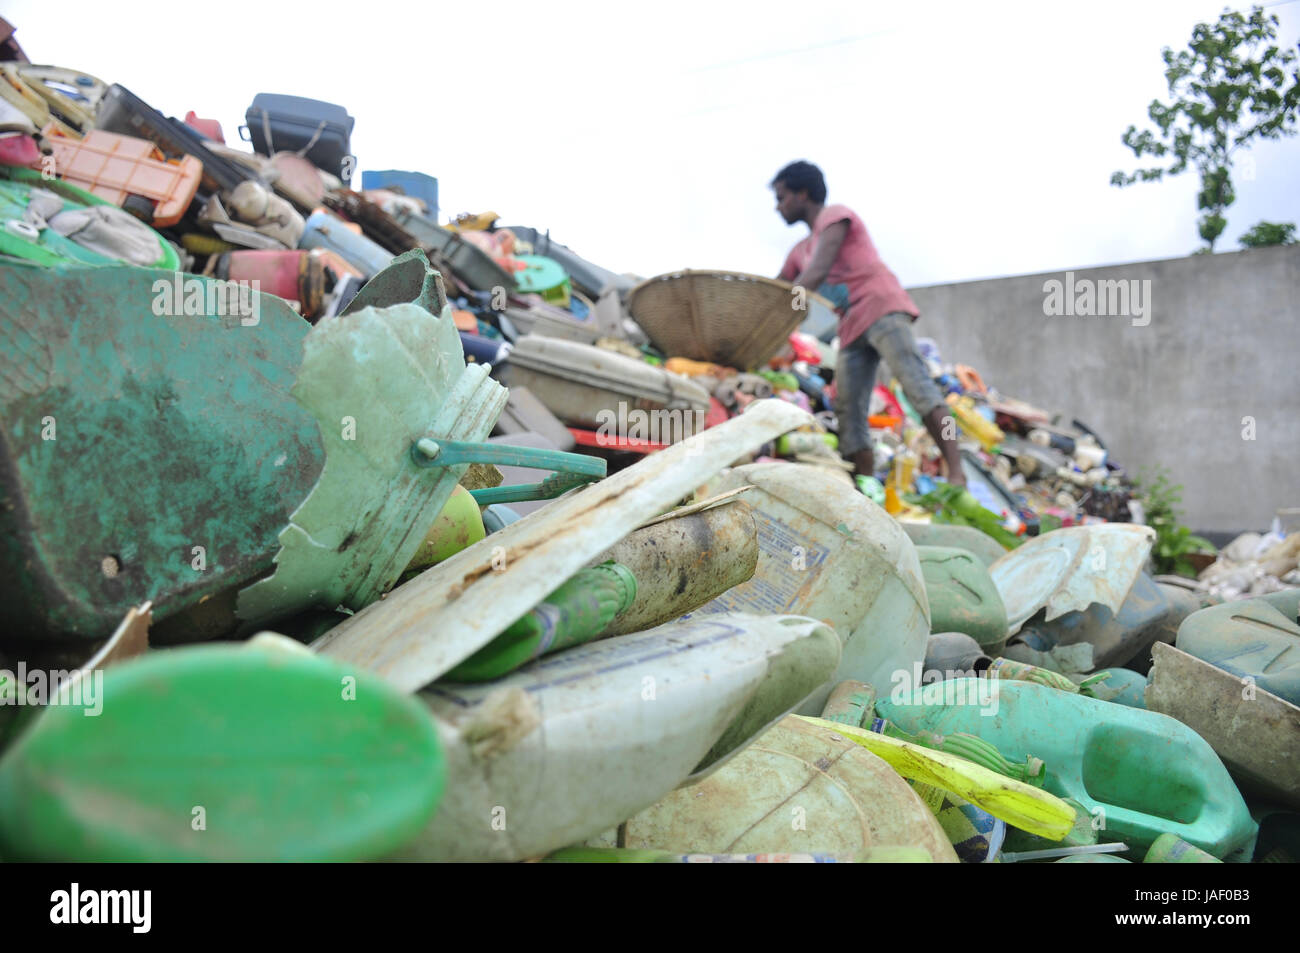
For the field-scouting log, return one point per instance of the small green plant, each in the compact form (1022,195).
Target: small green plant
(1160,498)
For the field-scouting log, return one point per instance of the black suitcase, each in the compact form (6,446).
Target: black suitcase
(123,112)
(319,131)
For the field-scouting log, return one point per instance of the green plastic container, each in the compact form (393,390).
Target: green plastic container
(963,597)
(1123,686)
(1093,859)
(576,612)
(1172,849)
(1256,638)
(223,753)
(1148,773)
(984,547)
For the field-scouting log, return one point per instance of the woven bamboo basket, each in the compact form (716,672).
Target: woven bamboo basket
(727,317)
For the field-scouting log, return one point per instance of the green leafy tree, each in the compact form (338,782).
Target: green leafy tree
(1229,87)
(1269,233)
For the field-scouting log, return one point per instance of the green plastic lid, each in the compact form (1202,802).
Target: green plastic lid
(541,274)
(224,753)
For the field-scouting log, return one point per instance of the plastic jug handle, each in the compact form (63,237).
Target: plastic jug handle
(430,452)
(548,489)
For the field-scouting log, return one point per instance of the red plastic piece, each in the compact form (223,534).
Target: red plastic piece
(717,414)
(589,438)
(206,127)
(19,150)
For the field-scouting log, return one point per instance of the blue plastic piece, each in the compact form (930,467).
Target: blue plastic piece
(497,517)
(415,184)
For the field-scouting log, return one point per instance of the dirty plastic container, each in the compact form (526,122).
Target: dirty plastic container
(1149,773)
(683,562)
(984,546)
(96,337)
(292,274)
(951,655)
(391,636)
(578,611)
(850,703)
(1117,637)
(577,742)
(963,597)
(797,788)
(1255,638)
(1094,859)
(828,552)
(577,382)
(1070,570)
(460,524)
(323,230)
(1123,687)
(1172,849)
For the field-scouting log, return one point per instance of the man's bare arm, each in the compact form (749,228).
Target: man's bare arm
(828,249)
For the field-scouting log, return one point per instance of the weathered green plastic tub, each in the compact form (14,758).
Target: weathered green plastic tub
(1253,638)
(145,453)
(963,597)
(1148,773)
(985,547)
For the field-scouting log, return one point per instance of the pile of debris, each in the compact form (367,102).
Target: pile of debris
(334,533)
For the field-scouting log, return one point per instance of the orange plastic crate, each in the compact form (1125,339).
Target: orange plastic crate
(113,166)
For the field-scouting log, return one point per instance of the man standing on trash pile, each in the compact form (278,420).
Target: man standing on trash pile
(839,261)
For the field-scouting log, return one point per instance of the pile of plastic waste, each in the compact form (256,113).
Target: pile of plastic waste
(336,533)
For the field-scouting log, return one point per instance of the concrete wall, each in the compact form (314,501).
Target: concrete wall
(1222,344)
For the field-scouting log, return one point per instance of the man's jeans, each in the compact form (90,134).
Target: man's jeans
(855,377)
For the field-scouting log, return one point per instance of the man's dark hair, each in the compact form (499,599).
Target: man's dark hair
(803,177)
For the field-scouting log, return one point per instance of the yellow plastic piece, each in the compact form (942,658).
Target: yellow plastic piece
(970,420)
(1030,809)
(469,222)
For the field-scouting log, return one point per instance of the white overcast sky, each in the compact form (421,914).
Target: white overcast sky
(975,139)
